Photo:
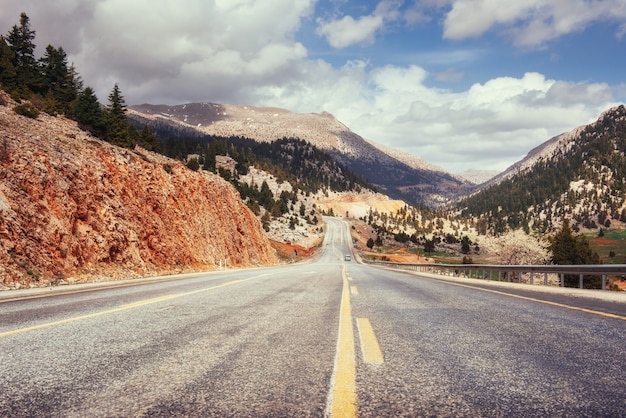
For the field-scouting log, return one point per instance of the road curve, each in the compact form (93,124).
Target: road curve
(328,337)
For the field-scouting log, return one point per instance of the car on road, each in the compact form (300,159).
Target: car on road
(348,257)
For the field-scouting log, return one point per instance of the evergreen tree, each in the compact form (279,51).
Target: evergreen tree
(429,246)
(117,132)
(62,82)
(89,114)
(73,88)
(465,244)
(266,198)
(148,140)
(568,249)
(21,41)
(8,75)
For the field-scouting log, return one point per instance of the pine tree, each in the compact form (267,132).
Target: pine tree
(61,80)
(89,114)
(148,140)
(8,75)
(74,83)
(568,249)
(21,41)
(117,132)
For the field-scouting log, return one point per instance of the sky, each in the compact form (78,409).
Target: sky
(463,84)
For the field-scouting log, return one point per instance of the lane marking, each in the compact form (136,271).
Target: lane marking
(165,279)
(354,290)
(72,292)
(342,401)
(369,343)
(547,302)
(125,307)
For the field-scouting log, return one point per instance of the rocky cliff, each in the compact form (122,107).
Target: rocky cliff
(75,208)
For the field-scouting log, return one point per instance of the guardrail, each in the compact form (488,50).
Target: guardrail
(512,273)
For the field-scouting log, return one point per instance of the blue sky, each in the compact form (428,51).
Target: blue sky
(460,83)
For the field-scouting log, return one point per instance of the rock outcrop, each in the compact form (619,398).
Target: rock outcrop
(73,207)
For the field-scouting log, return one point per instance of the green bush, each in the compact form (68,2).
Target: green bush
(193,164)
(27,109)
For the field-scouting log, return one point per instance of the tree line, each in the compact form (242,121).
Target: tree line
(52,85)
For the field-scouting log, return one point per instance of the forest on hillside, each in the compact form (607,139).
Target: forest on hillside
(586,182)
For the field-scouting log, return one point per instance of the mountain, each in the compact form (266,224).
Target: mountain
(579,175)
(478,176)
(419,184)
(73,208)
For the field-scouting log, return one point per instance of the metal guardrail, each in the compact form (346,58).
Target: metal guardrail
(512,272)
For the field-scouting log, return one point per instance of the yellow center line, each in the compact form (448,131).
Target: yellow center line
(547,302)
(343,399)
(72,292)
(104,287)
(369,342)
(124,307)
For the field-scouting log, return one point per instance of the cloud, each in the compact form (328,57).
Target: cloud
(489,125)
(530,23)
(347,31)
(248,52)
(494,123)
(189,50)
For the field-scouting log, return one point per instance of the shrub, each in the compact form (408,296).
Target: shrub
(27,109)
(167,168)
(193,164)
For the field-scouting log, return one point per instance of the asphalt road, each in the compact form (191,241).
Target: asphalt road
(326,337)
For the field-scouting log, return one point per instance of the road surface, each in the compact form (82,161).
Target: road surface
(328,337)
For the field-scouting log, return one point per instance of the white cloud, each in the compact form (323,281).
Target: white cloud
(490,125)
(530,23)
(246,52)
(348,31)
(200,47)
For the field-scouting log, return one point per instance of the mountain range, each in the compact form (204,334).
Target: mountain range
(558,178)
(399,175)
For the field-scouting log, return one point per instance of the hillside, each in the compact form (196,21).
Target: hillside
(419,185)
(75,208)
(580,175)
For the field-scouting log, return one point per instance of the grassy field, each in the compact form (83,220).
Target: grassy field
(613,241)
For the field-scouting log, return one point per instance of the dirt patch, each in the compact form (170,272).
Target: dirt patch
(400,255)
(603,242)
(292,252)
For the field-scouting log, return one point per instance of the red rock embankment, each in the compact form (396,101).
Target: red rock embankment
(72,205)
